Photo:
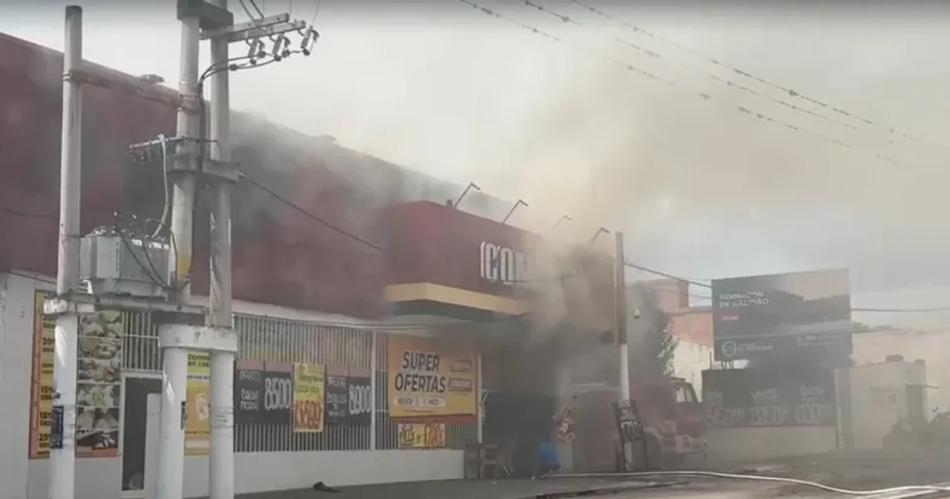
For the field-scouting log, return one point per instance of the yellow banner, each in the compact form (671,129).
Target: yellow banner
(41,390)
(198,405)
(421,435)
(428,378)
(309,394)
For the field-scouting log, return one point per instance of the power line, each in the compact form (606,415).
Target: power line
(667,275)
(726,82)
(27,214)
(705,96)
(901,310)
(746,74)
(247,11)
(258,9)
(311,215)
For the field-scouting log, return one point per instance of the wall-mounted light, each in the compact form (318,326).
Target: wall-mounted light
(564,218)
(513,208)
(602,230)
(471,185)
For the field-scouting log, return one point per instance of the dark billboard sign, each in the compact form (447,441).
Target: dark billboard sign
(781,313)
(248,391)
(744,398)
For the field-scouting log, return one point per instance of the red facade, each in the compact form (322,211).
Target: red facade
(281,255)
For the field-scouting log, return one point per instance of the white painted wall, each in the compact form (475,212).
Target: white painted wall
(100,478)
(726,445)
(96,478)
(16,348)
(266,471)
(879,398)
(931,346)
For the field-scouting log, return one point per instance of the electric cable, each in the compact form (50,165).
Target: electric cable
(703,95)
(27,214)
(747,74)
(714,77)
(310,215)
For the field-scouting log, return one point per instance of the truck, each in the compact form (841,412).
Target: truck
(672,424)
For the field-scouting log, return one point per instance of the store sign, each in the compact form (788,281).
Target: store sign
(309,388)
(427,378)
(501,264)
(277,398)
(248,391)
(98,384)
(743,398)
(349,398)
(422,435)
(41,382)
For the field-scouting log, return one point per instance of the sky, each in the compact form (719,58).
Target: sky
(700,186)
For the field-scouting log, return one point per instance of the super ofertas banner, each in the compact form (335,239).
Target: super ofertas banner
(430,378)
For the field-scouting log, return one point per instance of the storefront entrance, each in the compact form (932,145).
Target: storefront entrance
(137,387)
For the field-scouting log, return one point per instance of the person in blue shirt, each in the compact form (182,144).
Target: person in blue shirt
(547,459)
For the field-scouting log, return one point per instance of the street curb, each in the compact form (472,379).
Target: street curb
(600,490)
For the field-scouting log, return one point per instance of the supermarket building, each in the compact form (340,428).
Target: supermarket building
(445,310)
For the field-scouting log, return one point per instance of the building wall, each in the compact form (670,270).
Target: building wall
(16,346)
(879,398)
(749,444)
(931,346)
(100,478)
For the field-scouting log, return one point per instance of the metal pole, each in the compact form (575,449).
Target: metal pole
(222,362)
(175,364)
(63,453)
(621,324)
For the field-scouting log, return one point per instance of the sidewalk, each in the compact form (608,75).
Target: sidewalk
(468,489)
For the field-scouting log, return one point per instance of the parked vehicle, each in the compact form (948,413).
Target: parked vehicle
(671,417)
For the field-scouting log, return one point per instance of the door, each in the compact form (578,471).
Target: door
(137,390)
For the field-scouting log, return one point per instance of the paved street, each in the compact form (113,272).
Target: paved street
(859,471)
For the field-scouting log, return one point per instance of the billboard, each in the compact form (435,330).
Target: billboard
(749,398)
(781,314)
(428,378)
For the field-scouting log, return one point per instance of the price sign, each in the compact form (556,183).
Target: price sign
(277,394)
(309,391)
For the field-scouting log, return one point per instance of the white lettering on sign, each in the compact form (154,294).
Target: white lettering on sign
(502,264)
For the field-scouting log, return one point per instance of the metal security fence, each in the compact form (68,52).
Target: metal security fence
(284,340)
(140,350)
(458,435)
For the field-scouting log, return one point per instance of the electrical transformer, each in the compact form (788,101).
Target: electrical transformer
(116,264)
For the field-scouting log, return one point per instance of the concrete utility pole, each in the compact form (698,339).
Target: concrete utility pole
(171,447)
(621,325)
(215,23)
(621,309)
(63,427)
(222,361)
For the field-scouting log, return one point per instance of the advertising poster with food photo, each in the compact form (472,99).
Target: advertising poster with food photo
(422,435)
(309,397)
(98,384)
(198,404)
(430,378)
